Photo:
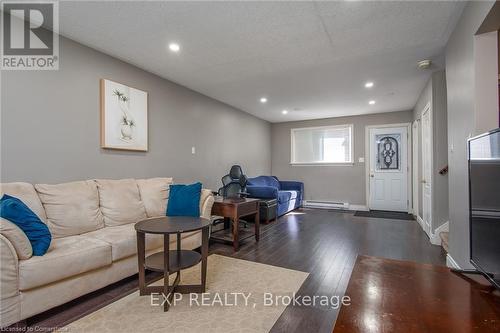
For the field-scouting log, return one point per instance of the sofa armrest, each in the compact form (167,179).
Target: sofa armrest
(206,203)
(10,311)
(288,185)
(262,192)
(17,239)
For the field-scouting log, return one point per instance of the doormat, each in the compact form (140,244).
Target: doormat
(384,214)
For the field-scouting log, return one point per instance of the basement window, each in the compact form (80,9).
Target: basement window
(322,145)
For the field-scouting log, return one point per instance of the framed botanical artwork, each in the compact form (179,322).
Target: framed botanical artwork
(124,117)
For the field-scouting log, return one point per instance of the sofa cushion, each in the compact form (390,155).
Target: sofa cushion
(264,181)
(206,203)
(293,194)
(66,257)
(71,208)
(123,240)
(27,194)
(120,201)
(154,195)
(17,212)
(17,238)
(284,196)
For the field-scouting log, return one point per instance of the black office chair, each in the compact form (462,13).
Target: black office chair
(234,185)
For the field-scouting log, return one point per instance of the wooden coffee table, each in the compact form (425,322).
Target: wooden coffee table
(171,261)
(234,209)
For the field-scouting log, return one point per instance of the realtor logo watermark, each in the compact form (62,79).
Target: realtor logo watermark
(30,35)
(233,299)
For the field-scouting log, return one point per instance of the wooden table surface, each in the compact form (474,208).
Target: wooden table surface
(402,296)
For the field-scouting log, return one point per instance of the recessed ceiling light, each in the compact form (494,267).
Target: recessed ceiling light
(174,47)
(263,100)
(368,84)
(284,111)
(371,102)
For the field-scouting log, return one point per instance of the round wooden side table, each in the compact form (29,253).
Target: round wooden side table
(171,261)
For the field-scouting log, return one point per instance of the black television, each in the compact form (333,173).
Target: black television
(484,204)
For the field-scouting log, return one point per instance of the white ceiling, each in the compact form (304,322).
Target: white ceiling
(311,58)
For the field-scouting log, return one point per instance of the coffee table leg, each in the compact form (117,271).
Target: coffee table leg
(141,256)
(178,252)
(257,225)
(204,256)
(166,257)
(236,240)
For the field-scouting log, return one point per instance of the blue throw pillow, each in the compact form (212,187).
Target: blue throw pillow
(17,212)
(184,200)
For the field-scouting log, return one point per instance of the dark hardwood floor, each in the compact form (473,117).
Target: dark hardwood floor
(326,244)
(403,296)
(321,242)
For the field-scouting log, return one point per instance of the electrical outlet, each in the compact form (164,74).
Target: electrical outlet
(361,160)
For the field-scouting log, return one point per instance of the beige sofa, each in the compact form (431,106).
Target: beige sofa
(93,240)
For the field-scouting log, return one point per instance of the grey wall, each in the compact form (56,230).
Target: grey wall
(440,209)
(486,84)
(460,78)
(50,126)
(344,183)
(434,94)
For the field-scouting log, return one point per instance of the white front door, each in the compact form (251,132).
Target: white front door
(388,186)
(427,170)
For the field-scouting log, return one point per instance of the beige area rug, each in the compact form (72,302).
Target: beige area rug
(225,276)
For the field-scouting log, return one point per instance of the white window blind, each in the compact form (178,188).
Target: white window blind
(316,145)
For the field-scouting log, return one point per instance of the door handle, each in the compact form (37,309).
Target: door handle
(372,175)
(423,181)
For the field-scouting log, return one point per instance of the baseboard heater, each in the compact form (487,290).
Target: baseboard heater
(325,204)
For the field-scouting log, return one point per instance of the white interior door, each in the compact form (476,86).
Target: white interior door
(427,170)
(388,187)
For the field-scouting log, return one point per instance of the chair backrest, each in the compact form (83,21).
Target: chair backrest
(235,172)
(233,183)
(231,190)
(226,180)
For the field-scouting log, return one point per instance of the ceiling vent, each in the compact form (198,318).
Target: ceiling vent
(424,64)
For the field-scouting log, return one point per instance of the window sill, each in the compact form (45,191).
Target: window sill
(323,164)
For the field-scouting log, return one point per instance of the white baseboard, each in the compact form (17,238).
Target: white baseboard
(435,238)
(423,226)
(450,262)
(420,221)
(323,204)
(330,205)
(358,207)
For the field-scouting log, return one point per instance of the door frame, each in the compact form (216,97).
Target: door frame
(408,162)
(415,167)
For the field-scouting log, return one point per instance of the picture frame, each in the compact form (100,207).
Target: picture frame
(124,117)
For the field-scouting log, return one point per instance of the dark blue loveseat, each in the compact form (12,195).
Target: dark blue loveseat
(288,193)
